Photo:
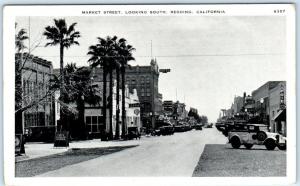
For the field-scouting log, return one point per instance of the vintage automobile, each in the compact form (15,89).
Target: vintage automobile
(198,127)
(220,125)
(179,128)
(255,134)
(209,125)
(156,132)
(166,130)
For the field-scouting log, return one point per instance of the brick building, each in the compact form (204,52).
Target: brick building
(145,80)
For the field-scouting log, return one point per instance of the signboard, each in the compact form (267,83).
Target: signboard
(18,143)
(61,139)
(134,105)
(164,70)
(136,111)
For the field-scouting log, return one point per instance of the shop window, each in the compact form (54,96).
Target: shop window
(94,120)
(88,120)
(94,128)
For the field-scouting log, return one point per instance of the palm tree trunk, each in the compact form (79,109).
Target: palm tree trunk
(110,103)
(80,122)
(104,99)
(62,118)
(117,103)
(123,101)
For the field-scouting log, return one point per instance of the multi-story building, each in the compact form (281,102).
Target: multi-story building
(38,120)
(180,110)
(93,112)
(145,80)
(277,97)
(261,98)
(238,104)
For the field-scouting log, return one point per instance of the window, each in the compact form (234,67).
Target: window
(147,79)
(88,120)
(142,80)
(148,92)
(94,123)
(94,120)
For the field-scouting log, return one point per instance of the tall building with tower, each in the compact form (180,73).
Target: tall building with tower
(145,80)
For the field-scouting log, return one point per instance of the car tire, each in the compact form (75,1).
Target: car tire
(248,146)
(261,135)
(270,144)
(235,142)
(282,147)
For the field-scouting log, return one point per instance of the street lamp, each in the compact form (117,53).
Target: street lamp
(261,109)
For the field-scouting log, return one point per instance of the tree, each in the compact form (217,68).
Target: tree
(64,36)
(103,54)
(79,90)
(20,37)
(124,56)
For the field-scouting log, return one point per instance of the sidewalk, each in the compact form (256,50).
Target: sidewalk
(40,149)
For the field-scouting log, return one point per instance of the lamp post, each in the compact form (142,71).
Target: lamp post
(261,108)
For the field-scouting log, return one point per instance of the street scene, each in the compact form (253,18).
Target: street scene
(156,97)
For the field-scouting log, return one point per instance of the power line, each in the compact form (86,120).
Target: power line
(189,55)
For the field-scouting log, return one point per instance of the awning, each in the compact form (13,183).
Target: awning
(281,115)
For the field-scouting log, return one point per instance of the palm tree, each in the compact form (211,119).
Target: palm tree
(125,55)
(117,136)
(20,37)
(103,54)
(64,36)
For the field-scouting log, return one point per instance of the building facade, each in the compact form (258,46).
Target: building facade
(277,107)
(38,120)
(145,80)
(238,104)
(262,102)
(93,115)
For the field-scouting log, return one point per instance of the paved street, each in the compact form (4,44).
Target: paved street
(175,155)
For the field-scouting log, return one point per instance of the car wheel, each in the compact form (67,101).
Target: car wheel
(235,142)
(261,135)
(270,144)
(248,146)
(282,147)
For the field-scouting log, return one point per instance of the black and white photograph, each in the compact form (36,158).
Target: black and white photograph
(202,91)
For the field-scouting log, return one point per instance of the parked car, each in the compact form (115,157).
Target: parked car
(179,128)
(167,130)
(209,125)
(156,132)
(256,134)
(220,126)
(198,127)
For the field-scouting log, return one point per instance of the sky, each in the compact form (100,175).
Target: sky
(212,59)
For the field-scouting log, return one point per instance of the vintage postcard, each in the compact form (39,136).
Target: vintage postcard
(153,94)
